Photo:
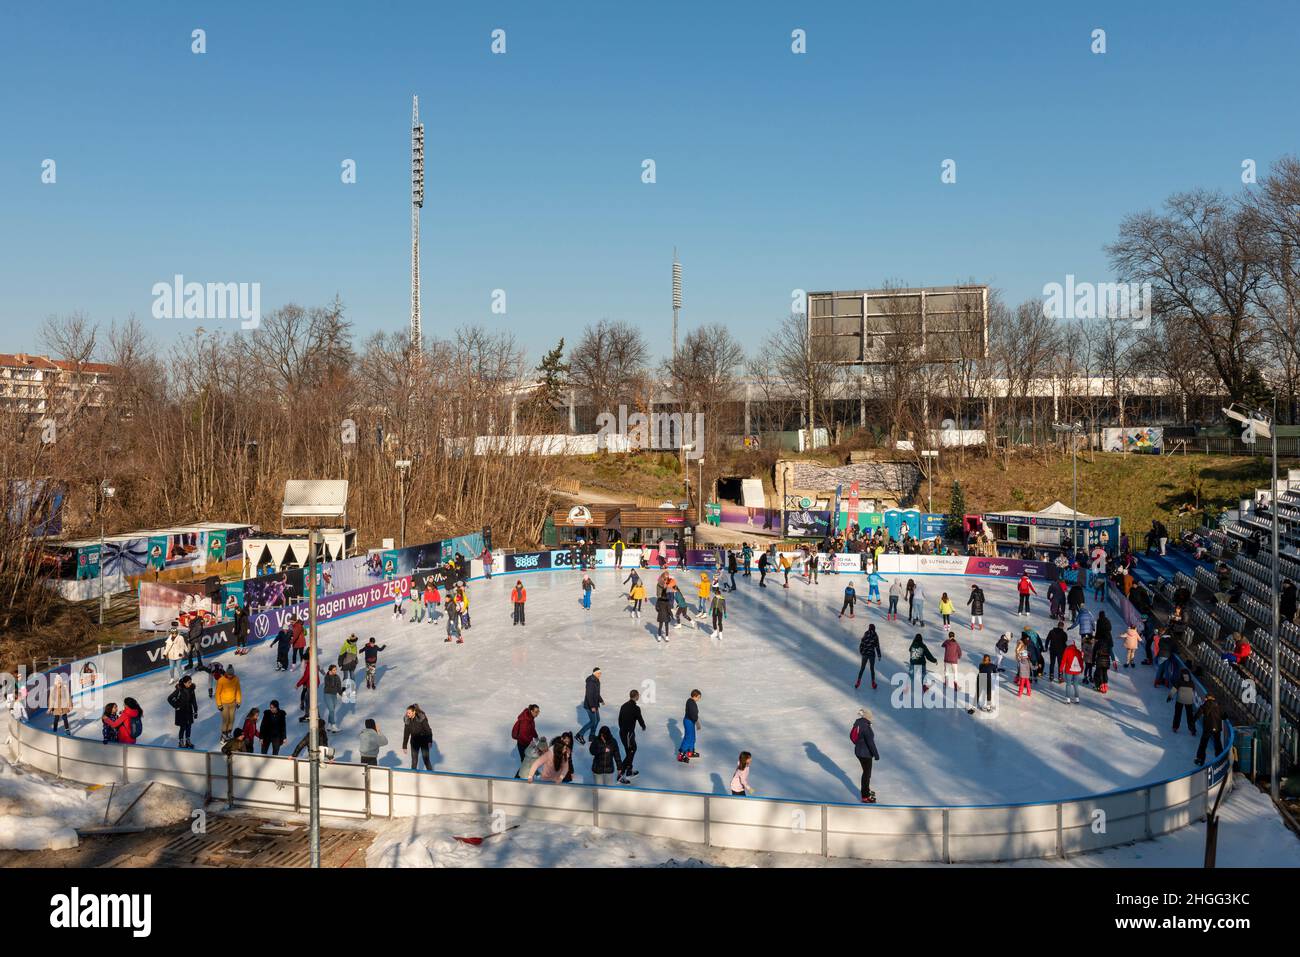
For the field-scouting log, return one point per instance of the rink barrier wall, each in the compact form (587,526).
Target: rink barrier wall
(958,834)
(953,834)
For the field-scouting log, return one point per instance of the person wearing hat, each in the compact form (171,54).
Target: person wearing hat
(174,651)
(864,749)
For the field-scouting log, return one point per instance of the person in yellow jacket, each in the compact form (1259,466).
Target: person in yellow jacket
(228,699)
(702,591)
(637,594)
(945,609)
(785,564)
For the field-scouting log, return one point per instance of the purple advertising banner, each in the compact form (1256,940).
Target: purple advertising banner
(328,607)
(1011,568)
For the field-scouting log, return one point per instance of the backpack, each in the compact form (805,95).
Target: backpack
(137,726)
(174,699)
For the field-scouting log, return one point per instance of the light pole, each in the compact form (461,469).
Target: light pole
(403,468)
(1074,429)
(929,473)
(1255,423)
(106,492)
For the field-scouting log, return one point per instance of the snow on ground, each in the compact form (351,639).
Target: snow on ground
(1251,834)
(38,812)
(779,684)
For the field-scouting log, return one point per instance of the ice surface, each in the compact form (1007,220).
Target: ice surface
(779,684)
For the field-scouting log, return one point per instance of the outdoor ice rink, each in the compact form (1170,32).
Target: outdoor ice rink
(779,684)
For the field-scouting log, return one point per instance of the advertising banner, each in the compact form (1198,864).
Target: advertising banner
(853,507)
(933,525)
(148,655)
(89,676)
(232,596)
(743,518)
(156,559)
(846,562)
(529,561)
(274,591)
(563,558)
(216,545)
(1011,568)
(161,603)
(1148,441)
(88,561)
(867,522)
(808,523)
(940,564)
(702,558)
(329,607)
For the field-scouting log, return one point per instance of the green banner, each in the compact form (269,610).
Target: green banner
(88,561)
(217,545)
(157,557)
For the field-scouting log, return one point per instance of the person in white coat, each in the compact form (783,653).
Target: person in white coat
(174,650)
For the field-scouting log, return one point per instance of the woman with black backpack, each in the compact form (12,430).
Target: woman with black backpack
(186,705)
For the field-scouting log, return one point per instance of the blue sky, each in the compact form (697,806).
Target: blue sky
(775,171)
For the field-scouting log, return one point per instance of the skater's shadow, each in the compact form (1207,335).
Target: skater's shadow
(718,787)
(815,755)
(674,732)
(652,630)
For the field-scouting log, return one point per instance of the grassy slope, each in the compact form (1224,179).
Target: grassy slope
(1138,488)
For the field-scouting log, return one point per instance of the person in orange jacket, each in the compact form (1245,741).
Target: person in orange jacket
(228,698)
(518,595)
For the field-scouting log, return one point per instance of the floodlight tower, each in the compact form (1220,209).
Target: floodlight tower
(417,203)
(677,297)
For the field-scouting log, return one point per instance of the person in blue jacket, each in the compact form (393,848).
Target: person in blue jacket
(873,586)
(850,599)
(1085,623)
(864,749)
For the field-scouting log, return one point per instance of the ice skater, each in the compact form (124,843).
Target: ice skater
(518,596)
(874,578)
(629,716)
(917,656)
(984,684)
(895,593)
(690,724)
(850,599)
(588,586)
(370,653)
(740,777)
(976,602)
(951,656)
(1024,668)
(719,610)
(591,702)
(869,649)
(945,609)
(1025,588)
(864,749)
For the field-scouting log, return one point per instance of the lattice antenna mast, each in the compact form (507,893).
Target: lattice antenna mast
(417,203)
(677,297)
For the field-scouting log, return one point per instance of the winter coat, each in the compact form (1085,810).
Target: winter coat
(976,601)
(299,634)
(638,592)
(333,683)
(185,703)
(945,606)
(1085,622)
(174,647)
(348,657)
(702,589)
(250,731)
(60,697)
(951,651)
(369,742)
(109,728)
(605,757)
(228,691)
(718,603)
(1185,690)
(864,740)
(519,595)
(629,716)
(371,652)
(273,726)
(416,730)
(592,700)
(918,653)
(525,728)
(664,609)
(123,725)
(869,646)
(1211,716)
(692,712)
(1076,597)
(1132,639)
(1057,639)
(1103,627)
(1072,661)
(545,763)
(1024,665)
(1025,586)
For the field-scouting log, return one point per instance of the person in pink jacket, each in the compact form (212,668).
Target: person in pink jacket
(1026,588)
(553,763)
(1131,641)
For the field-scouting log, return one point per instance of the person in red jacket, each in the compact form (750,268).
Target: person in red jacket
(432,599)
(518,595)
(302,683)
(299,642)
(1026,588)
(1072,670)
(129,721)
(250,728)
(525,730)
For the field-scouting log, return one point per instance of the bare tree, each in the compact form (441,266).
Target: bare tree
(608,363)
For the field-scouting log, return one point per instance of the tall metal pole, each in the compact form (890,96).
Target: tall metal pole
(403,483)
(313,705)
(101,554)
(1074,502)
(1275,736)
(417,203)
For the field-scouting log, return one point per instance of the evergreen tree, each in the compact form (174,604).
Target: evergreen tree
(554,374)
(956,509)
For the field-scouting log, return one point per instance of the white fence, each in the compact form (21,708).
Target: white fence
(877,832)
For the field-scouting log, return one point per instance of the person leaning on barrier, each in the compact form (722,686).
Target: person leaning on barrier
(371,741)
